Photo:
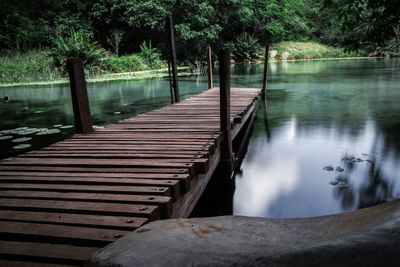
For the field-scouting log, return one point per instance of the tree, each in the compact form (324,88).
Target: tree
(371,24)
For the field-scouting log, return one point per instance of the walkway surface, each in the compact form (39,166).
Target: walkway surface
(60,204)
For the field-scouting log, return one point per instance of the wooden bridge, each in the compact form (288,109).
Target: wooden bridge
(60,204)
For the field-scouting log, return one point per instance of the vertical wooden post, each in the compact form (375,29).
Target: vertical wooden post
(225,118)
(80,102)
(171,90)
(264,86)
(209,68)
(171,38)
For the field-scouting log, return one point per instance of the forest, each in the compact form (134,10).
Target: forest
(129,35)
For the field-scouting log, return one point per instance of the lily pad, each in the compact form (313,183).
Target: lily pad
(333,182)
(22,146)
(5,137)
(22,139)
(328,168)
(66,127)
(27,132)
(339,169)
(117,112)
(48,131)
(21,128)
(342,184)
(38,111)
(57,125)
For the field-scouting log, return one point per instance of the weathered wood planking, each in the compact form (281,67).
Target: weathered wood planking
(60,204)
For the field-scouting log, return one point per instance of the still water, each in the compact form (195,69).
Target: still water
(326,142)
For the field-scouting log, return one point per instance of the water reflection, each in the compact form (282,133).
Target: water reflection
(327,113)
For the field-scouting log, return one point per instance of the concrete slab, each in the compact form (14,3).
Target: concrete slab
(367,237)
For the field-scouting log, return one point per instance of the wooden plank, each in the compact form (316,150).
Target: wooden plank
(164,203)
(198,165)
(66,254)
(20,263)
(183,178)
(118,209)
(173,185)
(100,169)
(140,190)
(59,233)
(86,220)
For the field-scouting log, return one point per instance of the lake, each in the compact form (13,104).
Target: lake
(326,142)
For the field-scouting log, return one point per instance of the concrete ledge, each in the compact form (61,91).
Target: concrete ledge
(367,237)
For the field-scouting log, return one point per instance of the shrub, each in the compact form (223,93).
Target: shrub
(246,47)
(76,44)
(308,50)
(16,67)
(124,64)
(151,56)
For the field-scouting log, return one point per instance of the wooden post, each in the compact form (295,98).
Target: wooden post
(209,68)
(264,86)
(171,90)
(80,102)
(171,38)
(225,118)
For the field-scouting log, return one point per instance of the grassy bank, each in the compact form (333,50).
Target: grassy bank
(37,67)
(308,50)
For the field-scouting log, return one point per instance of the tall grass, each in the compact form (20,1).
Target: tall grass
(38,66)
(309,50)
(33,66)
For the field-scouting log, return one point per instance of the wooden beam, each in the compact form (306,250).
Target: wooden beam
(266,58)
(209,68)
(80,102)
(171,38)
(224,93)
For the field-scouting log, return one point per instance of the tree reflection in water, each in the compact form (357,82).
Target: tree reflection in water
(374,188)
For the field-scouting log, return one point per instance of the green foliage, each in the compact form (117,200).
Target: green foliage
(246,47)
(76,44)
(371,24)
(124,64)
(151,56)
(121,25)
(26,67)
(308,50)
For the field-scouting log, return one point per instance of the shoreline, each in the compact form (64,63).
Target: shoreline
(160,73)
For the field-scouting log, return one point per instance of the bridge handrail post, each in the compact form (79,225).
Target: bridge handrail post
(265,76)
(209,68)
(225,120)
(171,39)
(79,96)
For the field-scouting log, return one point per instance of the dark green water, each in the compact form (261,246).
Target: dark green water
(324,114)
(319,114)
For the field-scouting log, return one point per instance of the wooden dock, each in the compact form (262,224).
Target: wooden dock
(60,204)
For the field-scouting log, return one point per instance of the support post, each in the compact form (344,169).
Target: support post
(171,38)
(171,90)
(80,102)
(264,86)
(209,68)
(225,120)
